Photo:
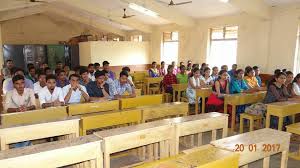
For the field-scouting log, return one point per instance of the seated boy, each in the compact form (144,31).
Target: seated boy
(40,84)
(74,91)
(98,89)
(123,85)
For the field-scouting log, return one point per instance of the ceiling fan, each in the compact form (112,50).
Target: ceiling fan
(126,16)
(34,1)
(172,3)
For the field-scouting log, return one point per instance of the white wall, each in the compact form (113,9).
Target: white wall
(117,53)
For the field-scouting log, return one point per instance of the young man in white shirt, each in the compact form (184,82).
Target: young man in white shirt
(74,91)
(51,95)
(40,84)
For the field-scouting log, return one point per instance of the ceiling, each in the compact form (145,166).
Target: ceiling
(280,2)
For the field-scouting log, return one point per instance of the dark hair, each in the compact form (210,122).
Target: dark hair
(162,62)
(17,69)
(203,64)
(194,71)
(17,77)
(221,72)
(181,63)
(9,60)
(61,71)
(153,63)
(74,75)
(105,71)
(41,73)
(30,65)
(277,71)
(126,69)
(30,68)
(90,65)
(248,70)
(51,76)
(124,73)
(170,67)
(105,63)
(47,68)
(181,67)
(255,68)
(283,70)
(58,62)
(280,74)
(83,70)
(99,73)
(206,69)
(288,73)
(96,64)
(297,77)
(236,73)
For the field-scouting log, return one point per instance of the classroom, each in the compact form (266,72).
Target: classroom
(150,83)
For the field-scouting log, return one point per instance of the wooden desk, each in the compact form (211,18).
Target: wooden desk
(178,88)
(144,100)
(267,141)
(204,157)
(161,111)
(55,154)
(203,94)
(9,135)
(197,124)
(281,110)
(85,108)
(294,129)
(29,117)
(148,81)
(241,99)
(108,119)
(121,139)
(138,79)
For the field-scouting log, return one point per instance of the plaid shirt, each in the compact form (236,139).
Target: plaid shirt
(168,80)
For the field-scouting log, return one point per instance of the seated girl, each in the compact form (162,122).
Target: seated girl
(194,83)
(153,71)
(250,78)
(289,83)
(206,78)
(169,79)
(296,85)
(215,101)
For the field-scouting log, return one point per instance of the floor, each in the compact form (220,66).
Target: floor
(117,162)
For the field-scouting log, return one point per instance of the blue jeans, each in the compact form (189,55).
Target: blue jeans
(21,144)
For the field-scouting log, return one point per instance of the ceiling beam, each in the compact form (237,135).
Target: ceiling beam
(78,17)
(253,7)
(164,11)
(18,13)
(96,10)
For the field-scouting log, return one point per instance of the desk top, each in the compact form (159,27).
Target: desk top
(284,104)
(163,105)
(196,117)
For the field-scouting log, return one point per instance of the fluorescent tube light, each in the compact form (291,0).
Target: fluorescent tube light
(224,1)
(143,10)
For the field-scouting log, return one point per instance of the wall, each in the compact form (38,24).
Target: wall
(117,53)
(1,51)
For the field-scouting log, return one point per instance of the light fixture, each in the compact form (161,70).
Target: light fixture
(142,10)
(224,1)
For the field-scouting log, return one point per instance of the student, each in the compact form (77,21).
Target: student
(206,78)
(193,84)
(91,72)
(67,70)
(224,67)
(77,70)
(250,78)
(106,67)
(97,66)
(51,95)
(98,89)
(214,74)
(153,71)
(296,85)
(74,91)
(123,85)
(175,68)
(162,69)
(62,80)
(169,79)
(20,99)
(189,67)
(129,76)
(59,65)
(203,66)
(84,74)
(40,84)
(215,101)
(48,71)
(182,77)
(6,71)
(8,84)
(237,84)
(232,71)
(180,64)
(289,83)
(31,74)
(257,73)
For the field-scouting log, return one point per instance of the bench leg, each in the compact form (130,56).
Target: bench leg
(241,125)
(156,151)
(199,142)
(284,159)
(214,135)
(266,162)
(251,125)
(280,123)
(268,118)
(106,160)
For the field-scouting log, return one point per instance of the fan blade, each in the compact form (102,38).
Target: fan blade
(38,1)
(125,17)
(183,3)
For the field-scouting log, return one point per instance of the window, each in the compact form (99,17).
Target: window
(136,38)
(170,44)
(297,54)
(223,46)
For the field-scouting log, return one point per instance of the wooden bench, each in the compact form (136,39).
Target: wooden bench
(68,127)
(252,118)
(28,117)
(203,94)
(144,100)
(109,119)
(198,124)
(256,145)
(56,154)
(204,157)
(162,111)
(178,88)
(294,129)
(85,108)
(125,138)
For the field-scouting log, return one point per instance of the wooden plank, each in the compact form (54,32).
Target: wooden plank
(86,108)
(121,139)
(54,154)
(265,142)
(9,135)
(35,116)
(164,110)
(109,119)
(141,101)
